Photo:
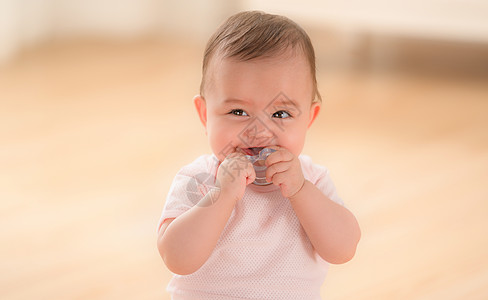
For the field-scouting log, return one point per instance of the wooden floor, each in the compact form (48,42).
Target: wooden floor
(93,132)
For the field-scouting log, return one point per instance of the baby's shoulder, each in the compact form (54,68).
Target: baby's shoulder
(206,163)
(311,170)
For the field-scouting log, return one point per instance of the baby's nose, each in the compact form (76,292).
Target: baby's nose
(258,133)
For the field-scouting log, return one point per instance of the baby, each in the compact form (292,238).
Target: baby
(227,233)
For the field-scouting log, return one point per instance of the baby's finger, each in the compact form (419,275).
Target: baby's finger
(251,174)
(280,155)
(277,168)
(240,151)
(278,178)
(234,154)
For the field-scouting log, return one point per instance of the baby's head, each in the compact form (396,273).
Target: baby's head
(258,86)
(253,35)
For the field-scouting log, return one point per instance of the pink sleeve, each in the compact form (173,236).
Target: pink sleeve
(320,177)
(189,186)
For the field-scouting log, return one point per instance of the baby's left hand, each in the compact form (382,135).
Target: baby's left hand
(285,171)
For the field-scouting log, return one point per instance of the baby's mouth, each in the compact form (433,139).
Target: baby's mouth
(252,151)
(257,156)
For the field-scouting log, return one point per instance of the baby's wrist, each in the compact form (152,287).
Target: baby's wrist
(296,195)
(210,198)
(229,194)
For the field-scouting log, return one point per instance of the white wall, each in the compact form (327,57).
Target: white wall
(120,18)
(447,19)
(23,22)
(26,22)
(197,18)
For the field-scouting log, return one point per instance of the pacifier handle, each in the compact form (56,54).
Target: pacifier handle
(263,154)
(260,170)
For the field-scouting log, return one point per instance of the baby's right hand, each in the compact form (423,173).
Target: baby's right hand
(234,174)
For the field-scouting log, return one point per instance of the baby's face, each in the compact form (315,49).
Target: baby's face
(258,103)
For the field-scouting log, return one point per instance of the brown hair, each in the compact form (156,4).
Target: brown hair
(253,34)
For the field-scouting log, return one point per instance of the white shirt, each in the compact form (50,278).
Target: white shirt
(263,252)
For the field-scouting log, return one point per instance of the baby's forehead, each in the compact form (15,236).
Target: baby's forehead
(262,76)
(279,58)
(266,57)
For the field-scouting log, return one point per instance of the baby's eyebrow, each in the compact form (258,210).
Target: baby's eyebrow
(235,101)
(283,104)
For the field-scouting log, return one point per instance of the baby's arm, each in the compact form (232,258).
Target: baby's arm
(185,243)
(332,229)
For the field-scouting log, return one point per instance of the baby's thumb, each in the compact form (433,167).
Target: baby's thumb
(251,174)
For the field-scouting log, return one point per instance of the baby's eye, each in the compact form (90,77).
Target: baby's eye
(281,114)
(238,112)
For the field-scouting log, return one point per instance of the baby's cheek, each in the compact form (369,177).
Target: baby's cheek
(293,141)
(223,142)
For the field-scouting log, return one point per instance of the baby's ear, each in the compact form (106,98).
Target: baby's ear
(314,112)
(201,107)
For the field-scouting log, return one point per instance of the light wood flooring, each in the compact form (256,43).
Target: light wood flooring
(92,133)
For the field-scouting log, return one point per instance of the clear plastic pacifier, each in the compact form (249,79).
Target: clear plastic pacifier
(259,166)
